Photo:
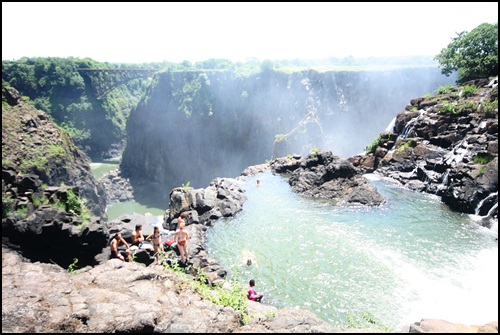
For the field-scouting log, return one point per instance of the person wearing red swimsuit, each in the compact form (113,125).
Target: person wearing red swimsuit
(182,238)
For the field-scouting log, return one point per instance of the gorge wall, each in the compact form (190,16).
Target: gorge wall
(194,126)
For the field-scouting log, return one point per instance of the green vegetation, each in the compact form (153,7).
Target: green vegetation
(235,298)
(376,142)
(447,89)
(42,158)
(472,54)
(37,162)
(6,205)
(37,202)
(448,108)
(71,268)
(467,106)
(488,108)
(74,205)
(313,152)
(186,186)
(408,144)
(468,90)
(59,205)
(134,255)
(364,320)
(77,206)
(22,212)
(91,106)
(483,158)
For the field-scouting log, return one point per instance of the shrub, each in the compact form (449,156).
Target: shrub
(447,89)
(488,108)
(376,142)
(448,108)
(407,144)
(71,267)
(468,91)
(6,205)
(483,158)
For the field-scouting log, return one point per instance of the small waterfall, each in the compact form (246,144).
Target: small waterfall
(444,181)
(408,129)
(480,204)
(458,153)
(391,125)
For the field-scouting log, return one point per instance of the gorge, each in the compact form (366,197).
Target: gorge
(164,145)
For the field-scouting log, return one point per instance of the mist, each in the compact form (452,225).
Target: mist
(195,126)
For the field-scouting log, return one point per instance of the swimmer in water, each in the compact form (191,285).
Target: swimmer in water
(248,258)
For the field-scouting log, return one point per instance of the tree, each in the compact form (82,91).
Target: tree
(474,55)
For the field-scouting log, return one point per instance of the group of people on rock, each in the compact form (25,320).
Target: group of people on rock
(122,250)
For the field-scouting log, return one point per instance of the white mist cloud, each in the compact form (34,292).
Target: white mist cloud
(136,32)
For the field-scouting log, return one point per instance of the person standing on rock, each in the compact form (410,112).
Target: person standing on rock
(119,248)
(182,238)
(182,218)
(155,237)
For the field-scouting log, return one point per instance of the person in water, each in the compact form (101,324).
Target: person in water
(155,237)
(258,183)
(252,295)
(182,238)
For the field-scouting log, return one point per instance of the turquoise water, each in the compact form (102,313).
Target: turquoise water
(412,258)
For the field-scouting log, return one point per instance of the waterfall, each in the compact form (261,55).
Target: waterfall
(408,129)
(391,125)
(444,181)
(458,152)
(480,204)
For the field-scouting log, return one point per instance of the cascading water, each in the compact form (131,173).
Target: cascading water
(409,259)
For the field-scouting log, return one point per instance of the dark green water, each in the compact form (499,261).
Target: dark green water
(114,211)
(410,259)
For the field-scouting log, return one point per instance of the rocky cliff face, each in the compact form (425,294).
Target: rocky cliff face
(47,187)
(196,126)
(446,145)
(32,143)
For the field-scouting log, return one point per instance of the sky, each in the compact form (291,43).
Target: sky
(144,32)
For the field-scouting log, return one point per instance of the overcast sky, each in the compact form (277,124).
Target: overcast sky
(142,32)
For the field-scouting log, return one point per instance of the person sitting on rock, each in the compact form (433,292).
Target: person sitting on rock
(137,236)
(252,295)
(119,248)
